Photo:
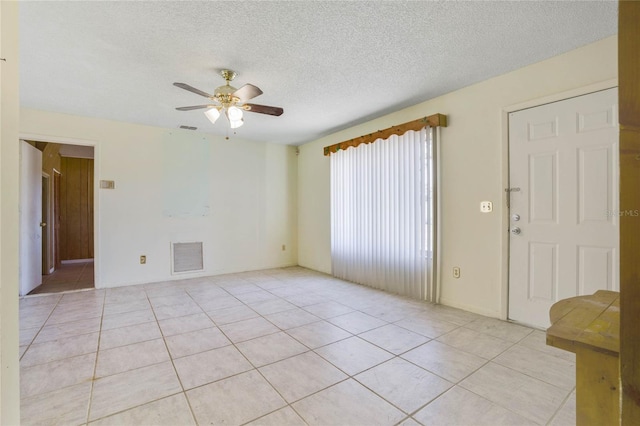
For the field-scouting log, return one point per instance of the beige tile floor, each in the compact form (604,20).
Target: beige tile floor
(280,347)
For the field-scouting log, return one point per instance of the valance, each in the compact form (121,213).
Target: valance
(435,120)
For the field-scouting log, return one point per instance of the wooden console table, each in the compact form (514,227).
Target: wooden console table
(589,326)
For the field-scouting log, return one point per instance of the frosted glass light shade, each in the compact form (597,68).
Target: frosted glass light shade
(234,113)
(236,123)
(212,114)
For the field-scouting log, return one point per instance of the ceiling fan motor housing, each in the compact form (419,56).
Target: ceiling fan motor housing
(224,95)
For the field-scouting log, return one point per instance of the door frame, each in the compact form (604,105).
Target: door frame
(46,219)
(96,188)
(55,222)
(505,223)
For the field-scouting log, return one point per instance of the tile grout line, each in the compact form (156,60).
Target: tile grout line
(175,370)
(95,365)
(39,329)
(557,411)
(168,353)
(349,376)
(290,404)
(488,361)
(256,369)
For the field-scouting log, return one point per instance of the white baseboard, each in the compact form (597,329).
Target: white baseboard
(71,261)
(469,308)
(201,274)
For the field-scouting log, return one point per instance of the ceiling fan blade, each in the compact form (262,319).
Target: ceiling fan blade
(189,108)
(264,109)
(192,89)
(246,92)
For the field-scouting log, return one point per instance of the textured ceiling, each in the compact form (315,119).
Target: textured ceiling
(330,65)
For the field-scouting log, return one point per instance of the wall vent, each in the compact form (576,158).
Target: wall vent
(186,257)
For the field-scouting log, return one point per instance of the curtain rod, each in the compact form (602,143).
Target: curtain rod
(435,120)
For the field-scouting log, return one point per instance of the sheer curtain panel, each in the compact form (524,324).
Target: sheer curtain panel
(382,214)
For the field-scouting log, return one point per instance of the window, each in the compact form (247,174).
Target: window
(382,213)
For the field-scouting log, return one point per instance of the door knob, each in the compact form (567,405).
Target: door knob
(43,224)
(516,231)
(515,217)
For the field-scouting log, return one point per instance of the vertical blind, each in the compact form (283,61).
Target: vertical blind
(382,214)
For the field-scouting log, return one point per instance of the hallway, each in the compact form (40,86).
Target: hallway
(70,276)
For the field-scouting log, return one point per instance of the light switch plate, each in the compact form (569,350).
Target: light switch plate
(486,206)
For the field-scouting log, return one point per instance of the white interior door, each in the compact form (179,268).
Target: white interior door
(30,218)
(563,157)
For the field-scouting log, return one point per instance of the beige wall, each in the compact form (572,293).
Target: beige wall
(172,185)
(9,172)
(473,169)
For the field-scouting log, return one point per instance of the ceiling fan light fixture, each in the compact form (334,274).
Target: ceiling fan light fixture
(212,114)
(234,113)
(234,124)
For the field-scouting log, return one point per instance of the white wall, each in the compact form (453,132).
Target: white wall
(173,185)
(9,172)
(473,169)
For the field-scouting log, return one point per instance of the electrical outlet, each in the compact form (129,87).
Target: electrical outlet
(143,259)
(456,272)
(284,247)
(486,206)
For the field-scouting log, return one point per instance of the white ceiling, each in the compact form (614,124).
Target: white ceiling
(329,64)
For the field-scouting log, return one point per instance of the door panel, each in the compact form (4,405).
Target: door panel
(76,209)
(595,267)
(543,181)
(595,170)
(30,218)
(563,157)
(543,258)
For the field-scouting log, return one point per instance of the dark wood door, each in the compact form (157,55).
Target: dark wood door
(76,209)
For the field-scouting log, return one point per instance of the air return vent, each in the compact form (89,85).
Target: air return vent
(187,257)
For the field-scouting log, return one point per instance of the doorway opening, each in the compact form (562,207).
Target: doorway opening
(67,223)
